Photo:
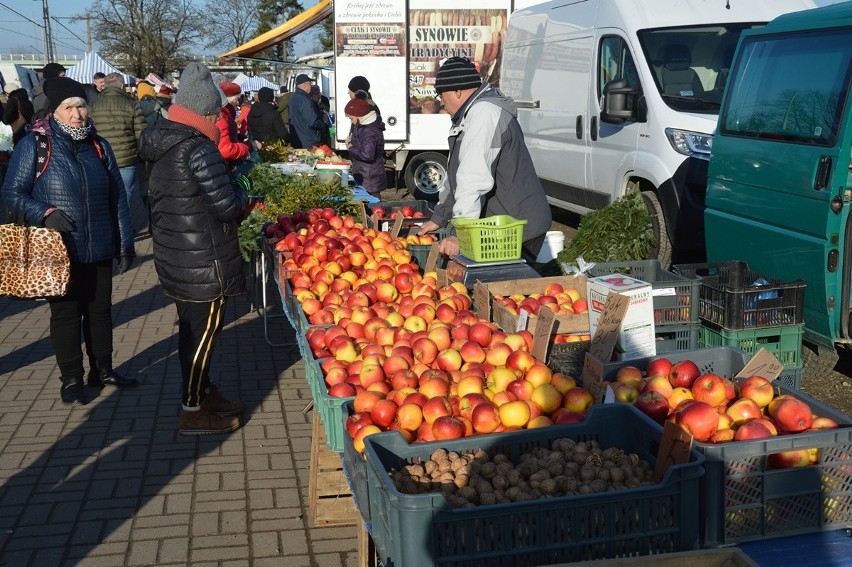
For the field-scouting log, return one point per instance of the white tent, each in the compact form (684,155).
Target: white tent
(93,63)
(256,83)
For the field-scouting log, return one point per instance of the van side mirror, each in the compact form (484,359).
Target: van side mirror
(614,103)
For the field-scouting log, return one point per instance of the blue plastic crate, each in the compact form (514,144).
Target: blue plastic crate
(423,530)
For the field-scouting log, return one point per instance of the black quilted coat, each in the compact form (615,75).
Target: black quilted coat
(194,211)
(80,182)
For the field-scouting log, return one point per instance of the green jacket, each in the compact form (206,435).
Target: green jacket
(119,119)
(284,107)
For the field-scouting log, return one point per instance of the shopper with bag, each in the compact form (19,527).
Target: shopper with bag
(64,176)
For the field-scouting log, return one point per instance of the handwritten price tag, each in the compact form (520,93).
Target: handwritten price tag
(523,319)
(674,449)
(764,363)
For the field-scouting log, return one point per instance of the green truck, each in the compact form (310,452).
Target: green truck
(780,183)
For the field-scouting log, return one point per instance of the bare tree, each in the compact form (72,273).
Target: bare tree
(235,22)
(151,35)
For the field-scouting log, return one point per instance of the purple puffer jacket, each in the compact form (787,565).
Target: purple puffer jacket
(368,156)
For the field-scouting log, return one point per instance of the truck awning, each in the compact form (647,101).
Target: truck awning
(285,31)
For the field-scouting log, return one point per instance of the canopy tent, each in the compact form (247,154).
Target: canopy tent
(285,31)
(93,63)
(256,83)
(155,79)
(240,78)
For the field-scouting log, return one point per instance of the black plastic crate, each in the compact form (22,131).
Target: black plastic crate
(386,222)
(735,297)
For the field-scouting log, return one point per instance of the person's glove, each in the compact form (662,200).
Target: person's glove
(124,264)
(59,221)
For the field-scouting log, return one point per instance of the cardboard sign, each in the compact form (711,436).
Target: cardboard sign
(542,332)
(592,376)
(523,319)
(482,301)
(674,449)
(432,259)
(397,226)
(606,335)
(442,275)
(763,363)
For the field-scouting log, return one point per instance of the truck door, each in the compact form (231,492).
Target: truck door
(779,181)
(613,146)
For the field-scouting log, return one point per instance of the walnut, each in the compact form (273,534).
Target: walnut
(438,455)
(461,480)
(430,467)
(581,458)
(469,493)
(548,487)
(500,482)
(488,470)
(555,469)
(604,475)
(488,498)
(588,473)
(598,485)
(500,458)
(415,470)
(512,493)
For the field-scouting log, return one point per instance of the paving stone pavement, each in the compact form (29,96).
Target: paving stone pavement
(112,483)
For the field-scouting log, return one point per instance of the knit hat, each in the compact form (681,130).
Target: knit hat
(230,89)
(265,94)
(457,74)
(52,70)
(357,107)
(302,78)
(59,89)
(198,92)
(315,90)
(359,83)
(145,89)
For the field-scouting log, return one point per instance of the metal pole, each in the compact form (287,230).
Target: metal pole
(48,37)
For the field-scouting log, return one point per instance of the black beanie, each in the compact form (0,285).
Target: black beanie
(265,94)
(52,70)
(359,83)
(59,89)
(457,74)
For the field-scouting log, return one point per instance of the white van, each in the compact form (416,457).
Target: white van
(622,95)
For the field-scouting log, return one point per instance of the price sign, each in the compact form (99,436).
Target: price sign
(542,332)
(764,363)
(674,449)
(482,301)
(523,319)
(432,259)
(397,226)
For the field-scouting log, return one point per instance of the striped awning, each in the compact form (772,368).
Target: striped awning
(84,71)
(285,31)
(256,83)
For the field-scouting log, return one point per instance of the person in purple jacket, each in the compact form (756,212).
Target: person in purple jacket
(366,145)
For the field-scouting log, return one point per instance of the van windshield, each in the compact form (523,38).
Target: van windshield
(690,64)
(791,87)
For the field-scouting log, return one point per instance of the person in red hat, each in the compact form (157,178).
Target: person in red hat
(232,149)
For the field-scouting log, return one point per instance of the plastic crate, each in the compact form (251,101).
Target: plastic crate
(730,298)
(386,222)
(491,239)
(414,530)
(675,296)
(329,408)
(784,342)
(677,337)
(792,378)
(741,500)
(568,358)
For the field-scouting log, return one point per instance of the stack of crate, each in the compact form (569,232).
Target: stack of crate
(749,310)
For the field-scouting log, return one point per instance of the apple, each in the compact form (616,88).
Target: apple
(744,410)
(659,384)
(793,415)
(341,390)
(547,397)
(624,393)
(520,360)
(678,395)
(435,408)
(447,427)
(709,388)
(366,399)
(485,417)
(468,402)
(653,404)
(629,375)
(758,389)
(578,400)
(515,413)
(522,389)
(794,458)
(700,419)
(363,433)
(824,423)
(568,417)
(683,374)
(723,435)
(356,421)
(751,430)
(538,374)
(659,366)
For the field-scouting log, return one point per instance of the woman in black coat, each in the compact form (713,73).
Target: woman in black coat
(80,194)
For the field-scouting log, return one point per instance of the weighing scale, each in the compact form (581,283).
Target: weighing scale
(464,270)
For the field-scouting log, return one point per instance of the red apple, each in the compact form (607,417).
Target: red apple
(653,404)
(794,458)
(383,413)
(485,417)
(758,389)
(435,408)
(659,366)
(448,427)
(793,415)
(629,375)
(356,421)
(709,388)
(683,374)
(751,430)
(578,400)
(744,410)
(699,419)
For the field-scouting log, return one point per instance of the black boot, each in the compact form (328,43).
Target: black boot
(71,391)
(102,374)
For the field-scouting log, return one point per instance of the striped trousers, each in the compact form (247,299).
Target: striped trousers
(199,327)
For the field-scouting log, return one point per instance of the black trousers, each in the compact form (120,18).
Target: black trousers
(85,311)
(199,327)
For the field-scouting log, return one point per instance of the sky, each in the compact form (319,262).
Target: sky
(23,32)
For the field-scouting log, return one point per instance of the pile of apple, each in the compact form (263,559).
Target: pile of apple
(406,211)
(561,300)
(714,409)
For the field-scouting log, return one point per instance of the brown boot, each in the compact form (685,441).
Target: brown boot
(220,405)
(205,422)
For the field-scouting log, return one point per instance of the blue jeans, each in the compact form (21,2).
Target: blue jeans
(138,213)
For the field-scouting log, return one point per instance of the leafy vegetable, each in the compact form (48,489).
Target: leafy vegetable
(621,231)
(275,151)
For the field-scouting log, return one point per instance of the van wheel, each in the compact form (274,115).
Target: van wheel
(663,250)
(818,360)
(425,175)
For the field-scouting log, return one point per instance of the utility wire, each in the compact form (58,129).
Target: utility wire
(69,31)
(23,16)
(23,34)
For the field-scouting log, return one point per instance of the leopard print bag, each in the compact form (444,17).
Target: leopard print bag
(33,262)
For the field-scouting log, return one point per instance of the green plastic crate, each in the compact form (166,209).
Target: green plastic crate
(422,530)
(675,297)
(784,342)
(743,501)
(491,239)
(330,408)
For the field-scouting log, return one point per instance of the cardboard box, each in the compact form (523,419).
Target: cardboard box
(636,334)
(508,321)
